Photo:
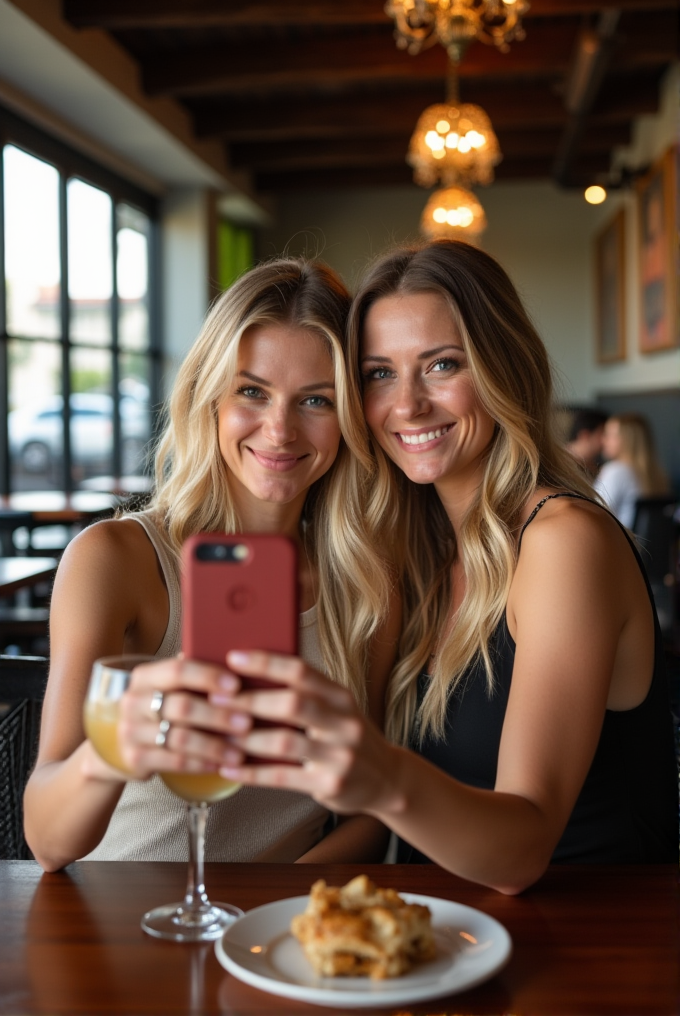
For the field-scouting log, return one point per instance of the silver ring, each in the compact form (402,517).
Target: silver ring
(156,703)
(162,735)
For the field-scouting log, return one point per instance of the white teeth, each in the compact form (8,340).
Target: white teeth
(414,439)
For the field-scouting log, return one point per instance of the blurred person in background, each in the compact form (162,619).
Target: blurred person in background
(585,437)
(632,469)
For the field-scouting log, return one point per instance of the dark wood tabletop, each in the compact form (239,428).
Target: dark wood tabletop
(586,940)
(21,572)
(54,506)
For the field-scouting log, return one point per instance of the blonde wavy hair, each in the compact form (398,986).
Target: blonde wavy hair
(192,492)
(511,373)
(638,450)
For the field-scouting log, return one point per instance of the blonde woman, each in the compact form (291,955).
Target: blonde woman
(528,714)
(632,470)
(263,436)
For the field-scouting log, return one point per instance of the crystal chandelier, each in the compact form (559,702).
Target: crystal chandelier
(453,143)
(455,23)
(453,213)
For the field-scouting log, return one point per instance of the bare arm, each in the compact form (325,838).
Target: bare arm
(577,610)
(95,612)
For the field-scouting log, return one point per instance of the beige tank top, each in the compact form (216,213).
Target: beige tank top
(256,824)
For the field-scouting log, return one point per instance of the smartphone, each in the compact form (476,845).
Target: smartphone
(239,592)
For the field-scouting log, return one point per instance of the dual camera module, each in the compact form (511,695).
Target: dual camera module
(220,553)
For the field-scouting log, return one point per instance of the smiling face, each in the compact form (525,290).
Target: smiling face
(419,398)
(277,426)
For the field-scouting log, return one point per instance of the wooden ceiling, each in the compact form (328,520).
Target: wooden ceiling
(315,93)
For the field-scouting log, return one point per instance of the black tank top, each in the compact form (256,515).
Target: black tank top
(627,811)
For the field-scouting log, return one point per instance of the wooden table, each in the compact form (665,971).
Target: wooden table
(21,572)
(587,940)
(54,507)
(123,486)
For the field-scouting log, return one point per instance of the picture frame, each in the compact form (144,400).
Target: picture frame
(610,307)
(658,255)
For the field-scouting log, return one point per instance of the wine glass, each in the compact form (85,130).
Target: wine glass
(195,918)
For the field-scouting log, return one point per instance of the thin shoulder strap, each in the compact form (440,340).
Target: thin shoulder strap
(549,497)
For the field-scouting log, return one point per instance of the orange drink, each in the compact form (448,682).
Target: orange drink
(208,787)
(101,725)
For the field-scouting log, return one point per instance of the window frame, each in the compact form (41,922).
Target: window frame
(72,164)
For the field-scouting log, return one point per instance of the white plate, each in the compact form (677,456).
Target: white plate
(260,950)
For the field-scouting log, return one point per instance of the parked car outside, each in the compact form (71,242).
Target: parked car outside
(36,432)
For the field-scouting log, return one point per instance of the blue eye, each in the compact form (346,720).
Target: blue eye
(445,363)
(250,392)
(318,402)
(377,374)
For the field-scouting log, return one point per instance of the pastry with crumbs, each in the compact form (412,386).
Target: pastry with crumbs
(360,930)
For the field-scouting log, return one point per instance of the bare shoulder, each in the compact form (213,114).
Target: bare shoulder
(576,545)
(569,526)
(110,563)
(115,542)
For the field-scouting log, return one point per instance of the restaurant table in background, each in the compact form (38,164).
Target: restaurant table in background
(22,572)
(39,508)
(586,940)
(54,506)
(121,485)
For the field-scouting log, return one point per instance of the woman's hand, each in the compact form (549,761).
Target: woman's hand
(339,757)
(196,738)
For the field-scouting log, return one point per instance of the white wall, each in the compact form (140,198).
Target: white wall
(536,231)
(184,274)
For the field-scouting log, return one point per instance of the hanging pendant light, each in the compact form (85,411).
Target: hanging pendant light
(453,213)
(456,23)
(453,143)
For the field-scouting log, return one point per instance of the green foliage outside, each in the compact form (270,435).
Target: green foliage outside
(235,252)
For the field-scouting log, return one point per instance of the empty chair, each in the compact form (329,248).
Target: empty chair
(22,689)
(657,534)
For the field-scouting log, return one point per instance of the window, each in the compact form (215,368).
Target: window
(79,349)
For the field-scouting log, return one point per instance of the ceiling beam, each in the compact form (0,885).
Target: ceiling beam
(351,60)
(386,176)
(124,14)
(291,155)
(515,106)
(348,60)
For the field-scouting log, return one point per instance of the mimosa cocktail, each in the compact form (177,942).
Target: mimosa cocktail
(195,919)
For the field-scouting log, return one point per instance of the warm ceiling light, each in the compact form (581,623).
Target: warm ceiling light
(455,23)
(454,213)
(595,195)
(453,144)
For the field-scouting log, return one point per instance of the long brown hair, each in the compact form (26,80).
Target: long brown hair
(511,372)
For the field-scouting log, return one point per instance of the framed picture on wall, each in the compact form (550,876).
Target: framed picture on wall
(658,255)
(609,290)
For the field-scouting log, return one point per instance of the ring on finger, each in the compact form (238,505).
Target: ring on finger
(156,703)
(162,735)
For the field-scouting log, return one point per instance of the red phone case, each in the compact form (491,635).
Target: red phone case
(247,603)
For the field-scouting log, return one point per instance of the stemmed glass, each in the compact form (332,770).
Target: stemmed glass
(195,919)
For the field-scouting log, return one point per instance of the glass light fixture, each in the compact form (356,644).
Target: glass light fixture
(453,213)
(453,143)
(455,23)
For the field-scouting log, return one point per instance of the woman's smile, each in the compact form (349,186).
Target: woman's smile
(279,463)
(423,440)
(278,426)
(420,401)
